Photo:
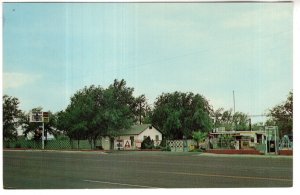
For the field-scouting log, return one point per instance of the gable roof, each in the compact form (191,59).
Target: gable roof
(135,129)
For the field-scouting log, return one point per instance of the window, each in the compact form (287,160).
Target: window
(145,137)
(132,140)
(156,137)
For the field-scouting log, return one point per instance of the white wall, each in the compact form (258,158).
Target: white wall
(137,138)
(152,133)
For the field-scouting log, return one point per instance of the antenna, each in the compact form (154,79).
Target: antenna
(233,102)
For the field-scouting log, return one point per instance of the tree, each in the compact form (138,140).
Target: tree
(240,121)
(282,116)
(224,118)
(143,110)
(82,118)
(179,114)
(199,136)
(11,116)
(95,112)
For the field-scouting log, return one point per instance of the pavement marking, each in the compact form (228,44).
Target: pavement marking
(8,187)
(227,176)
(121,184)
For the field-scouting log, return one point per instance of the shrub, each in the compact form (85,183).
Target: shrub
(6,145)
(166,148)
(158,147)
(18,145)
(147,143)
(163,143)
(196,150)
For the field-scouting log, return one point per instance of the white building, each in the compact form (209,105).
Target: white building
(132,138)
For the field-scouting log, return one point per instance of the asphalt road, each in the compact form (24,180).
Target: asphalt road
(78,170)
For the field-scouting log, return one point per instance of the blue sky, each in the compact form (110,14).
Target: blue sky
(51,50)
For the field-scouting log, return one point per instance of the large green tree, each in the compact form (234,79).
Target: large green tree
(11,116)
(95,112)
(231,121)
(179,114)
(282,116)
(143,110)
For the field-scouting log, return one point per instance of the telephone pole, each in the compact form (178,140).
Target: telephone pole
(233,102)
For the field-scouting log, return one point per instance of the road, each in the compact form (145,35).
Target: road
(80,170)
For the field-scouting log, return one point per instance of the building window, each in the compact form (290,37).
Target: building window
(145,137)
(156,137)
(132,140)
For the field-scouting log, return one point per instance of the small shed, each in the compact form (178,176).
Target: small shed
(131,139)
(243,139)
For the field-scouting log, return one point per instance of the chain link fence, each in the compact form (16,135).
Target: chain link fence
(51,144)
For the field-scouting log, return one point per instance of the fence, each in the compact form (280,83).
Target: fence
(52,144)
(183,145)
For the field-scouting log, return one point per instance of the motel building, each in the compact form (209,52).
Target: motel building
(261,140)
(131,139)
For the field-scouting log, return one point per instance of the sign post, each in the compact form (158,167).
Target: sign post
(40,117)
(43,140)
(272,134)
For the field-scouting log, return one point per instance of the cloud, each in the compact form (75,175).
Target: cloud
(12,80)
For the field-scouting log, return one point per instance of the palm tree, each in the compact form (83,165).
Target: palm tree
(199,136)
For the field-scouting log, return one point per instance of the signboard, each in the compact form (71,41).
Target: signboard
(36,117)
(46,117)
(118,144)
(138,144)
(39,117)
(271,132)
(127,144)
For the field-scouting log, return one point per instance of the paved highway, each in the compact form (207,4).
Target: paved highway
(78,170)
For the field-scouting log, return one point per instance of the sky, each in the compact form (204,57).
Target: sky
(52,50)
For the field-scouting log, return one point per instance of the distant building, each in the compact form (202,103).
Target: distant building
(132,138)
(243,139)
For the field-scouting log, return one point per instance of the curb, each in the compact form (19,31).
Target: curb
(244,155)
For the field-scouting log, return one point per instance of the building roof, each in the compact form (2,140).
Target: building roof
(238,132)
(135,129)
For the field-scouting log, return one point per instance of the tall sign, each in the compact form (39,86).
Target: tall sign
(40,117)
(272,137)
(46,117)
(36,117)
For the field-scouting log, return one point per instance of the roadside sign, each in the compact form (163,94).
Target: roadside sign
(46,117)
(127,144)
(39,117)
(36,117)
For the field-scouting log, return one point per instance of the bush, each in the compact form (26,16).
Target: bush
(158,147)
(62,137)
(147,143)
(6,145)
(167,148)
(163,143)
(18,145)
(196,150)
(99,148)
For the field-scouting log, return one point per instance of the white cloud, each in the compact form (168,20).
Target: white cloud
(13,80)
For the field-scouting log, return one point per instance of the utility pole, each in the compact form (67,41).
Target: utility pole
(233,102)
(140,112)
(233,108)
(43,134)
